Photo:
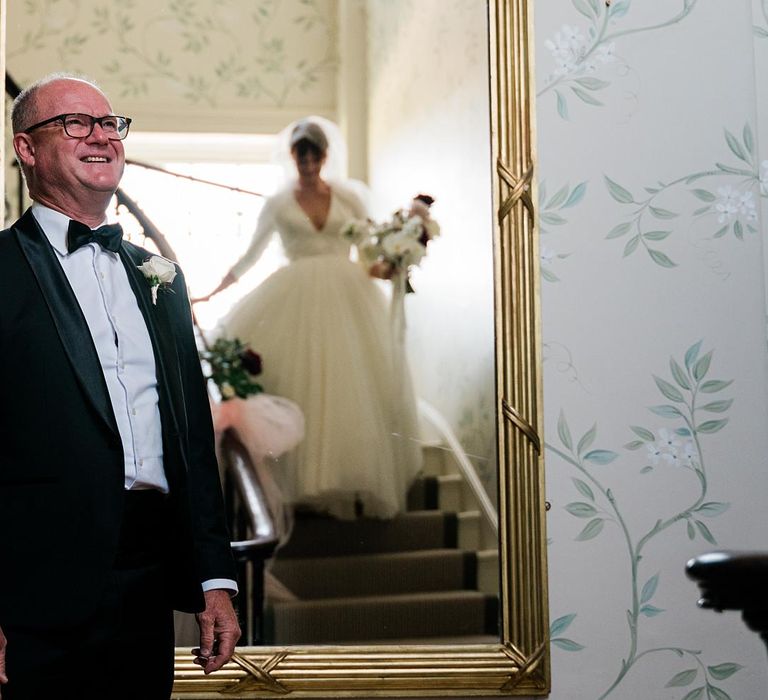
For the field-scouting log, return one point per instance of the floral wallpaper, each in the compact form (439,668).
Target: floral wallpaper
(210,62)
(653,188)
(653,175)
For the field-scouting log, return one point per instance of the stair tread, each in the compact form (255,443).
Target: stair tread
(423,529)
(357,559)
(381,573)
(418,615)
(473,639)
(416,576)
(388,600)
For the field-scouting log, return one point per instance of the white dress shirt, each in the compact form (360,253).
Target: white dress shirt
(100,283)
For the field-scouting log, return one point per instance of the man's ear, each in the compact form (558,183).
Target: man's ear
(25,149)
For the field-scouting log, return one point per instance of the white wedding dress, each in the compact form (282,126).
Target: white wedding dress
(321,325)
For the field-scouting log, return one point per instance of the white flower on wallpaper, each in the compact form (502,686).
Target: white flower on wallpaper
(735,204)
(580,55)
(570,52)
(692,411)
(727,208)
(567,48)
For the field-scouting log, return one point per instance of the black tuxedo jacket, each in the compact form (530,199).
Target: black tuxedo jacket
(61,458)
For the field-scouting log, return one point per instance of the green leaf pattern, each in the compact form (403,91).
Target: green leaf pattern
(553,213)
(259,69)
(729,205)
(580,54)
(677,445)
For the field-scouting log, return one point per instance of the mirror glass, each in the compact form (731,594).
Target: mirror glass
(209,86)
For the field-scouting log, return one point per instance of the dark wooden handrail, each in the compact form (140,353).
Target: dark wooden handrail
(259,524)
(731,580)
(253,532)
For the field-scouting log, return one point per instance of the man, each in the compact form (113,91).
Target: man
(111,513)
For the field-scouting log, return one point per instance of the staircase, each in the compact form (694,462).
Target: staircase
(429,575)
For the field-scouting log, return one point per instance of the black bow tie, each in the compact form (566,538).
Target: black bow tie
(108,236)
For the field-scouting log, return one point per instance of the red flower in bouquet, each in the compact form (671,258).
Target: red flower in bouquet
(251,361)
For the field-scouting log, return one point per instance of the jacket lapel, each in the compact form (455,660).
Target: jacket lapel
(67,315)
(163,344)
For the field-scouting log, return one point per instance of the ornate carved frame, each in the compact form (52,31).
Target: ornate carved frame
(519,664)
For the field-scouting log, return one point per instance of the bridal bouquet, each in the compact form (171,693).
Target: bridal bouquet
(395,245)
(232,368)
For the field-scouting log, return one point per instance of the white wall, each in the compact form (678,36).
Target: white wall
(429,132)
(653,96)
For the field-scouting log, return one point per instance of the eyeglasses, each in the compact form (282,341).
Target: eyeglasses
(80,126)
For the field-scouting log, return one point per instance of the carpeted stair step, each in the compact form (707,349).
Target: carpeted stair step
(448,492)
(488,571)
(378,574)
(436,459)
(356,619)
(424,493)
(318,535)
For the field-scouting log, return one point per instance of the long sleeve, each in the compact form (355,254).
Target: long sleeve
(211,538)
(265,227)
(356,205)
(352,196)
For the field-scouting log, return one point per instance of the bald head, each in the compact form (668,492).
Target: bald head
(76,175)
(24,111)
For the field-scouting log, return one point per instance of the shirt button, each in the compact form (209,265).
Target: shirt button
(141,462)
(101,274)
(133,411)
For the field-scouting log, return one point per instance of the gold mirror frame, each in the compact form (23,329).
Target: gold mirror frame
(519,664)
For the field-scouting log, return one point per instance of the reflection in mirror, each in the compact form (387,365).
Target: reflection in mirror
(208,87)
(431,573)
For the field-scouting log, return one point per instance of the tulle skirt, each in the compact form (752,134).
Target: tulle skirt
(322,329)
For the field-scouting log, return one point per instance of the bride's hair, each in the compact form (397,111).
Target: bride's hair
(324,135)
(307,136)
(319,130)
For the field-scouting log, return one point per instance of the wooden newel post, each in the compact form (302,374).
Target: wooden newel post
(734,581)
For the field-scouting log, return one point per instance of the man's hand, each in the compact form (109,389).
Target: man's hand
(3,645)
(219,631)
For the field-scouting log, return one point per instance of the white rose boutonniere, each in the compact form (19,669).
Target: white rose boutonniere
(160,273)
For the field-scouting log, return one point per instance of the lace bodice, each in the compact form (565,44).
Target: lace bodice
(300,237)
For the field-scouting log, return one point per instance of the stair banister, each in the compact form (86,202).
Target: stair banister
(254,536)
(731,580)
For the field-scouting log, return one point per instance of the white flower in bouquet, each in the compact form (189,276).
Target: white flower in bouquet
(393,246)
(403,248)
(413,227)
(227,390)
(432,227)
(370,250)
(357,231)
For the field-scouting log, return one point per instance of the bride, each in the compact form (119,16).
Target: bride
(321,325)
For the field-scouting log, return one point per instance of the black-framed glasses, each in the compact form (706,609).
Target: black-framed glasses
(80,126)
